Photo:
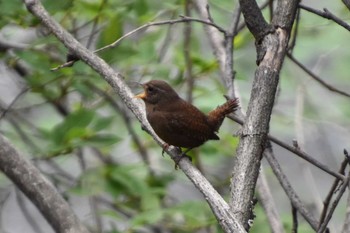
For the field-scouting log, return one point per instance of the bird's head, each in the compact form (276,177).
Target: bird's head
(156,92)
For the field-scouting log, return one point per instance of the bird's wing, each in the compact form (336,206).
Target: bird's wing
(191,122)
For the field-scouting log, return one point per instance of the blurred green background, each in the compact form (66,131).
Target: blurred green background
(79,133)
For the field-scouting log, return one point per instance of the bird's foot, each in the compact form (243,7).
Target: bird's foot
(178,159)
(165,147)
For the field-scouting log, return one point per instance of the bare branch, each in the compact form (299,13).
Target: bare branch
(327,15)
(253,138)
(331,192)
(268,154)
(315,77)
(346,3)
(229,49)
(254,19)
(297,152)
(37,188)
(183,19)
(323,227)
(295,219)
(215,38)
(346,226)
(292,195)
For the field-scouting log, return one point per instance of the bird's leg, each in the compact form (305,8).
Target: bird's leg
(183,155)
(165,147)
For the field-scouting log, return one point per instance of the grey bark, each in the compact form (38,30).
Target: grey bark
(271,50)
(39,190)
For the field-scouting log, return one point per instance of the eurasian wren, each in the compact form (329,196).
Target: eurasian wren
(178,122)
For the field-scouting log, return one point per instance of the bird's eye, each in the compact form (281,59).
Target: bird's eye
(150,89)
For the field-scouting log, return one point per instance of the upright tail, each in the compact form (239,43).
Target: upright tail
(216,116)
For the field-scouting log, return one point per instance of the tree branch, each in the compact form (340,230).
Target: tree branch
(38,189)
(327,15)
(292,195)
(315,77)
(254,19)
(253,138)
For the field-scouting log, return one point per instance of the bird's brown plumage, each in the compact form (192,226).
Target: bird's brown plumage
(178,122)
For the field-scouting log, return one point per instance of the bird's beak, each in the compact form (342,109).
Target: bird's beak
(141,95)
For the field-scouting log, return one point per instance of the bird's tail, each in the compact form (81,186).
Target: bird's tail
(216,116)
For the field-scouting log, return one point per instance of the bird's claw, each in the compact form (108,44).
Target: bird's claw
(178,159)
(165,147)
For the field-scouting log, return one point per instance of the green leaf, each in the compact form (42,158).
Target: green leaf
(112,31)
(129,182)
(91,183)
(102,123)
(73,126)
(150,201)
(147,218)
(102,140)
(141,7)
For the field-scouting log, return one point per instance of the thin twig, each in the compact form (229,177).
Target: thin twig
(346,3)
(331,192)
(295,32)
(183,19)
(58,106)
(17,97)
(327,15)
(166,41)
(229,51)
(334,206)
(187,53)
(314,76)
(297,152)
(94,25)
(290,192)
(295,219)
(299,145)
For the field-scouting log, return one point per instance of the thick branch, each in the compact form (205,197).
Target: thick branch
(254,19)
(37,188)
(255,129)
(219,207)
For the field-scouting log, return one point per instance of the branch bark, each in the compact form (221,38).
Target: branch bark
(271,53)
(38,189)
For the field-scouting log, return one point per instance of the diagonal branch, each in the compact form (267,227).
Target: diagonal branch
(292,195)
(36,187)
(254,19)
(219,207)
(327,15)
(297,152)
(314,76)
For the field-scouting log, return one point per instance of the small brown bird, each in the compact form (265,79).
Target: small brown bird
(178,122)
